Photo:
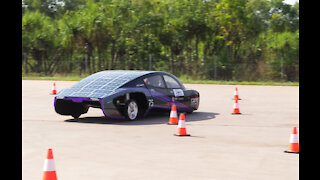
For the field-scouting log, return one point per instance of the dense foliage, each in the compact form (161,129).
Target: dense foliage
(248,40)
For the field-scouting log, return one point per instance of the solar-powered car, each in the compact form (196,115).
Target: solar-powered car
(126,94)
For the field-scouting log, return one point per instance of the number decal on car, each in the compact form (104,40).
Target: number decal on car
(194,101)
(178,92)
(150,102)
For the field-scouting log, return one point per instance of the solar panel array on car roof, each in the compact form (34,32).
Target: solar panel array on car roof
(101,84)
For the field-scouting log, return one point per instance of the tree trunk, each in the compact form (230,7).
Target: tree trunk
(196,58)
(113,54)
(172,61)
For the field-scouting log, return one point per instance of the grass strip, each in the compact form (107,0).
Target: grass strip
(182,79)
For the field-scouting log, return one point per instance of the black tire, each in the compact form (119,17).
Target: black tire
(189,112)
(131,110)
(76,115)
(80,109)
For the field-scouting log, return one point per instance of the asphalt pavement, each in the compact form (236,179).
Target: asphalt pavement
(222,146)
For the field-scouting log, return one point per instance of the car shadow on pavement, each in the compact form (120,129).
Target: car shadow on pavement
(151,118)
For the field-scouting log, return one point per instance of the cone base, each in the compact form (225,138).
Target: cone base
(236,99)
(291,152)
(182,134)
(172,123)
(235,113)
(49,175)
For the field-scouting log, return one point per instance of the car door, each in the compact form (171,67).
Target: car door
(158,91)
(175,89)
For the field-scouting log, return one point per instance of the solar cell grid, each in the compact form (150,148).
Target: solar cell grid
(101,84)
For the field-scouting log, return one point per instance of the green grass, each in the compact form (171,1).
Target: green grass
(183,79)
(240,83)
(262,83)
(54,78)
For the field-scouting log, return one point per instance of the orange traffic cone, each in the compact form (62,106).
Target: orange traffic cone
(173,115)
(236,109)
(54,89)
(236,95)
(293,143)
(49,169)
(182,126)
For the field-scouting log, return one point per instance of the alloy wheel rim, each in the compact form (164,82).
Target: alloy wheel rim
(132,110)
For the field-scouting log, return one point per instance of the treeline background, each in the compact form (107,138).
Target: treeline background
(241,40)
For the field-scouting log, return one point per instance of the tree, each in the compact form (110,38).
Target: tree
(184,37)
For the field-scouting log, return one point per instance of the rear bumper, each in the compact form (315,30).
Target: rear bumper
(69,105)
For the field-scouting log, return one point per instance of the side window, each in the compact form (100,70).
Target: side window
(171,83)
(154,81)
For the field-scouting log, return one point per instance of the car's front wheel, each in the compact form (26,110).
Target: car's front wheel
(132,110)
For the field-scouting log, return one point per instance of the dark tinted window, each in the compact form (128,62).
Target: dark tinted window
(154,81)
(171,83)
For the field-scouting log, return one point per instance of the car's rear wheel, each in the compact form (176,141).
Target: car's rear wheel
(132,110)
(76,115)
